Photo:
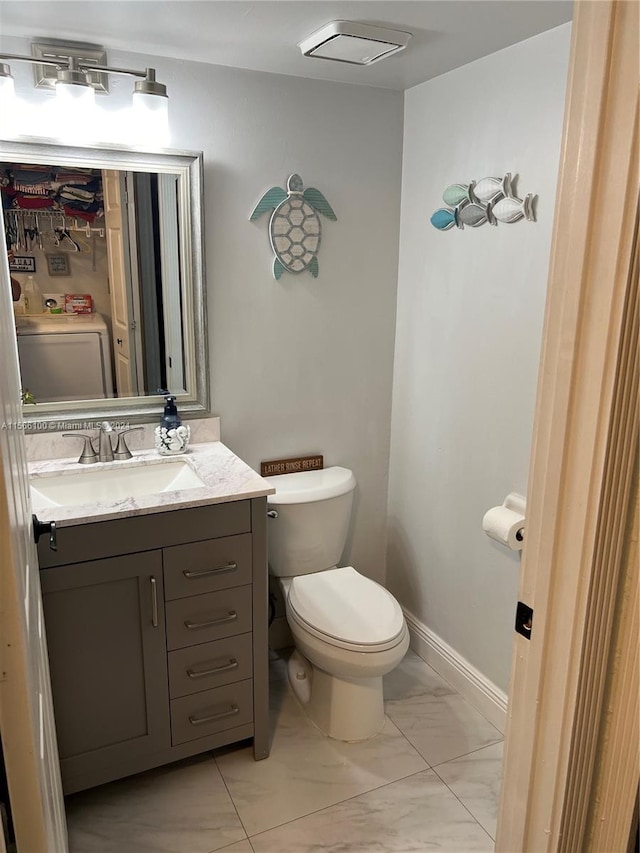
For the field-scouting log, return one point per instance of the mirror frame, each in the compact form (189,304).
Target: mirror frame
(188,165)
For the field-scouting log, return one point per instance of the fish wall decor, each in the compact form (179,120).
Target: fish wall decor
(488,190)
(513,209)
(457,193)
(473,215)
(443,219)
(475,203)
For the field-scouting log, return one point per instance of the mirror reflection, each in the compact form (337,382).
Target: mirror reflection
(95,264)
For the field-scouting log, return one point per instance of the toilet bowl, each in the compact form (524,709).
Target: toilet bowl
(348,630)
(352,632)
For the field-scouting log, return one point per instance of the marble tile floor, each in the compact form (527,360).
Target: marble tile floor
(428,781)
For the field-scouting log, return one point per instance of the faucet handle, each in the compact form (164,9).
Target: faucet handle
(88,455)
(122,451)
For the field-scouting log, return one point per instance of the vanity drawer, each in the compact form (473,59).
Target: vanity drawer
(198,668)
(212,711)
(212,616)
(102,539)
(205,566)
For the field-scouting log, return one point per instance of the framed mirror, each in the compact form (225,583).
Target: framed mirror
(107,274)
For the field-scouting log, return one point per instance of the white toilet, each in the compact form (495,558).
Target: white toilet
(349,631)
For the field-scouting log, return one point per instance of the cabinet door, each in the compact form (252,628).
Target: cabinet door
(107,653)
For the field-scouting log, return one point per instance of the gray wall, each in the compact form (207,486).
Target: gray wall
(300,365)
(469,321)
(306,365)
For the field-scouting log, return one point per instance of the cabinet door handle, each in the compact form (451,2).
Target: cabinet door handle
(230,617)
(230,567)
(154,602)
(200,673)
(40,527)
(198,721)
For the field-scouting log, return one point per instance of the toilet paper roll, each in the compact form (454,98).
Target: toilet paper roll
(505,526)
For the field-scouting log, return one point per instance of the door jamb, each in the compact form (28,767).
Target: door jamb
(584,443)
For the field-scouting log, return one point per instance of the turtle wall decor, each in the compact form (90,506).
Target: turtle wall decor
(294,227)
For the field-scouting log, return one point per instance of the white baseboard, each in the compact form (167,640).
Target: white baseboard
(467,680)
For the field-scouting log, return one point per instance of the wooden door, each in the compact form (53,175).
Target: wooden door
(26,713)
(122,332)
(107,652)
(584,444)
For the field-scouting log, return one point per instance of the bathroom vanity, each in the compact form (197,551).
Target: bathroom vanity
(156,618)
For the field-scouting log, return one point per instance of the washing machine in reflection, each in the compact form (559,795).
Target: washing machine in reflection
(65,357)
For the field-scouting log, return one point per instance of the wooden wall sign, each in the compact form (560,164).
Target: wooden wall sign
(291,466)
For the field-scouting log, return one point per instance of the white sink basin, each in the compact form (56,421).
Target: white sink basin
(106,485)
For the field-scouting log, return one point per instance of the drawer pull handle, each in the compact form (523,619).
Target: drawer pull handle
(230,567)
(198,721)
(230,617)
(154,602)
(200,673)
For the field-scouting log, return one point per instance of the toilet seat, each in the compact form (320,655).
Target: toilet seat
(347,610)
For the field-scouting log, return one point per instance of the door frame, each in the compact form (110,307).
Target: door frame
(27,725)
(123,348)
(584,446)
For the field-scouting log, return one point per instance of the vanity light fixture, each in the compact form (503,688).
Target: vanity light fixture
(75,90)
(357,44)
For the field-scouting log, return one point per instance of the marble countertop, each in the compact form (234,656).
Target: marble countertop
(226,478)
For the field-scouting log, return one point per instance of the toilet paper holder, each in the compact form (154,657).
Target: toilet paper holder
(506,523)
(518,504)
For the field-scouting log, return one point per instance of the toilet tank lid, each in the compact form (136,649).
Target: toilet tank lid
(307,486)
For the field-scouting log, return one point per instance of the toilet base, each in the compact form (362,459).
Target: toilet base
(349,709)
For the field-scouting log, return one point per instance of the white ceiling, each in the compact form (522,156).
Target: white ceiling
(263,35)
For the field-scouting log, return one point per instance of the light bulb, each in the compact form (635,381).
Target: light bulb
(151,117)
(71,95)
(75,105)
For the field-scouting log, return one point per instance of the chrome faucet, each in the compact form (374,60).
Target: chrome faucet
(105,453)
(105,448)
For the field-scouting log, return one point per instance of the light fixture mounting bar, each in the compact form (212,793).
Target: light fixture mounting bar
(61,51)
(128,72)
(17,57)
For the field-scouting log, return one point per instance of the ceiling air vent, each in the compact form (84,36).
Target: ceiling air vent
(358,44)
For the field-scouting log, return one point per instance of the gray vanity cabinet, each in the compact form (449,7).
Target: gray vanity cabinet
(106,643)
(157,637)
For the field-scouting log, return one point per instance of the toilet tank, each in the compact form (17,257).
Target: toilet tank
(314,509)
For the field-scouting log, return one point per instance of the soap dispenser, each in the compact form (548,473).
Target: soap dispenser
(171,437)
(170,419)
